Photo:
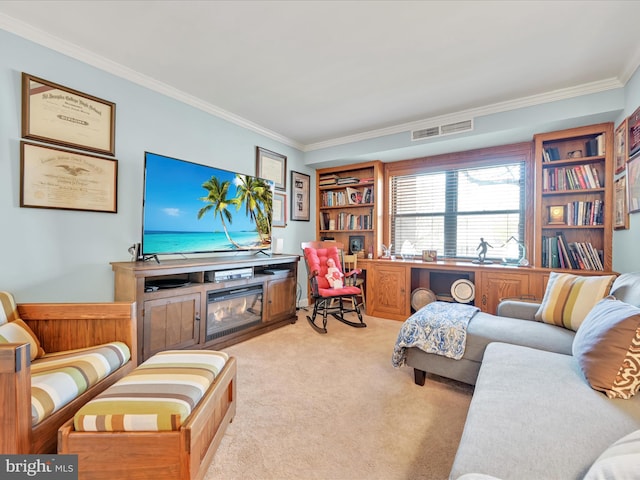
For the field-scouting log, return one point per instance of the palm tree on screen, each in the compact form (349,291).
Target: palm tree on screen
(218,202)
(255,193)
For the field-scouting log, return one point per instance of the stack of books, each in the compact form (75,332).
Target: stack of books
(327,179)
(347,180)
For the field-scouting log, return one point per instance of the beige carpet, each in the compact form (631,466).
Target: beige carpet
(332,407)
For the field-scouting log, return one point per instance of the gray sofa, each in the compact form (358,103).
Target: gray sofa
(533,414)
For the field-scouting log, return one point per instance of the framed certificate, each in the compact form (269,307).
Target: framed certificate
(56,178)
(55,114)
(272,166)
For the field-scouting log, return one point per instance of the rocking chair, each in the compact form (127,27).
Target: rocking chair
(328,299)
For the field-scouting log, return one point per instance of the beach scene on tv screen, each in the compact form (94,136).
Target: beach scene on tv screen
(191,208)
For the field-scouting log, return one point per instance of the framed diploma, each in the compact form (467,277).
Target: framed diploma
(55,114)
(272,166)
(56,178)
(279,210)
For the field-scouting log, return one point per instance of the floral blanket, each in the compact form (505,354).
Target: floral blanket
(438,327)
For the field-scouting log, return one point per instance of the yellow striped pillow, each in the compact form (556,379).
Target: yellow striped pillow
(569,298)
(19,332)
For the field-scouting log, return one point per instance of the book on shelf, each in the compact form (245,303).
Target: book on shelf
(595,147)
(354,196)
(367,196)
(550,154)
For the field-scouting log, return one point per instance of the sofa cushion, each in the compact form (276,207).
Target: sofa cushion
(19,332)
(607,348)
(158,395)
(620,460)
(568,298)
(58,378)
(533,416)
(626,288)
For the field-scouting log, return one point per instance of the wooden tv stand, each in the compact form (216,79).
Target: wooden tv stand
(174,317)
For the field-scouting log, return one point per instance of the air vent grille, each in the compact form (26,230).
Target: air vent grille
(457,127)
(425,133)
(446,129)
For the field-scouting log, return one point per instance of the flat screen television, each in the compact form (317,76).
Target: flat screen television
(194,208)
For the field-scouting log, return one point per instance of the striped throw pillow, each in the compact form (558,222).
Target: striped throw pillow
(620,460)
(19,332)
(569,298)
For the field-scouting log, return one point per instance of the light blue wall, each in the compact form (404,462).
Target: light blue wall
(626,257)
(58,255)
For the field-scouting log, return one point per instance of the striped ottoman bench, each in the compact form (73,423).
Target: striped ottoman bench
(164,420)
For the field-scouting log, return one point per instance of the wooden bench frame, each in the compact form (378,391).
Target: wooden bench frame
(59,327)
(182,454)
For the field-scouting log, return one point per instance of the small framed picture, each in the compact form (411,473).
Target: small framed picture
(621,209)
(356,244)
(300,206)
(429,255)
(633,134)
(279,210)
(621,147)
(633,184)
(556,215)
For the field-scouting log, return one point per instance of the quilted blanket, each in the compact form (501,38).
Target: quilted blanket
(438,327)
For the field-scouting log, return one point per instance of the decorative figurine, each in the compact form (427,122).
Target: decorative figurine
(482,255)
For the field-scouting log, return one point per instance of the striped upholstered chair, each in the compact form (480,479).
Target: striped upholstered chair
(54,358)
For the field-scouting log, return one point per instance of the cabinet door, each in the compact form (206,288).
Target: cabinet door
(387,294)
(171,323)
(496,285)
(281,299)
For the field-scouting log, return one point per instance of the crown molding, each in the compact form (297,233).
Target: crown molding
(72,50)
(533,100)
(38,36)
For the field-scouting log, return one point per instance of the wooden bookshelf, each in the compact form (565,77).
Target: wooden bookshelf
(574,198)
(350,205)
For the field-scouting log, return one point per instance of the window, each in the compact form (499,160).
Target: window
(451,209)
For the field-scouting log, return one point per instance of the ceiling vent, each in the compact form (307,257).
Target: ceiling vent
(440,130)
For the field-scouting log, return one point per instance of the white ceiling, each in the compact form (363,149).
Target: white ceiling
(314,72)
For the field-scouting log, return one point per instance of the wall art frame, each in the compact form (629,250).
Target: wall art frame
(272,166)
(300,197)
(52,113)
(52,177)
(620,206)
(356,244)
(633,184)
(633,135)
(621,148)
(279,209)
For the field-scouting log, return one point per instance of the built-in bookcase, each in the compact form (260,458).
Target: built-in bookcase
(349,207)
(574,198)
